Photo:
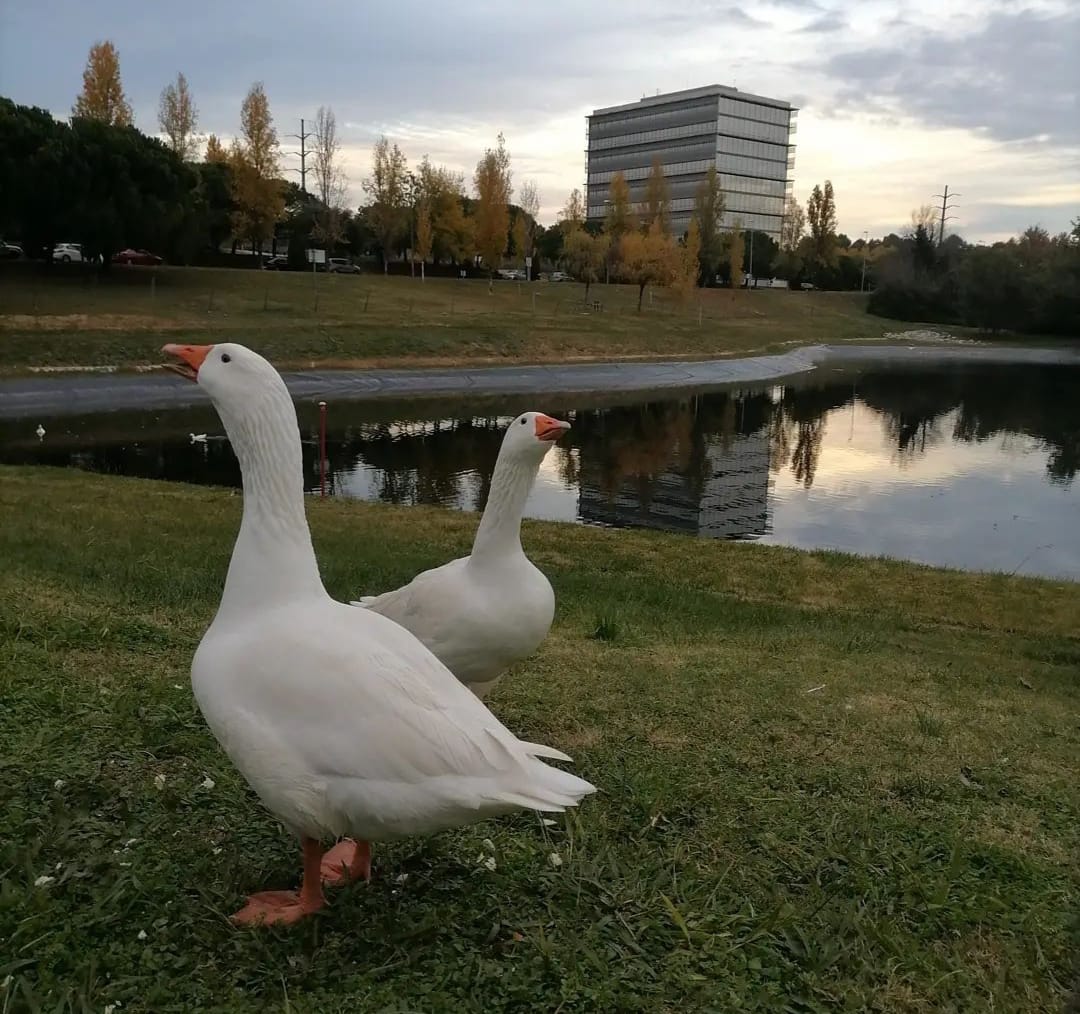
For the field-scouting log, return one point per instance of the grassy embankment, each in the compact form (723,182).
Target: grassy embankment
(827,783)
(76,318)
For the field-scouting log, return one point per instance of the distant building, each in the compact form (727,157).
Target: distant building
(747,137)
(729,499)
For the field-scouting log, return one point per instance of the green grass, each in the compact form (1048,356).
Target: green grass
(827,784)
(78,318)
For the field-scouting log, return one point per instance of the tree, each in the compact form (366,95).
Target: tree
(924,216)
(424,231)
(584,255)
(253,160)
(792,227)
(821,214)
(648,258)
(619,220)
(735,246)
(386,186)
(657,197)
(328,227)
(574,209)
(178,117)
(709,214)
(491,215)
(760,252)
(215,150)
(529,202)
(689,267)
(102,97)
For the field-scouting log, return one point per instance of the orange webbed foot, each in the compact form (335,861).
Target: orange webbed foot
(346,862)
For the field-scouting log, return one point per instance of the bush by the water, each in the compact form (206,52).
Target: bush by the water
(1030,284)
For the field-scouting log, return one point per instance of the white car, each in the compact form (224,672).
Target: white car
(67,253)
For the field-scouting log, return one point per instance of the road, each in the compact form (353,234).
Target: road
(82,393)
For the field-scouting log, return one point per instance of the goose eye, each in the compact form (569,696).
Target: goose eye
(225,357)
(523,420)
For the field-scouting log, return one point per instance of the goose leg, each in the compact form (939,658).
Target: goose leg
(283,908)
(347,861)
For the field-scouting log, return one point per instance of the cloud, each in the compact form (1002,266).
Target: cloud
(1015,77)
(833,21)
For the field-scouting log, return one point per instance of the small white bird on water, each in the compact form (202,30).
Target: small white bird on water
(198,438)
(40,431)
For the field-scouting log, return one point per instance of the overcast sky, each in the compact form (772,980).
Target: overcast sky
(896,98)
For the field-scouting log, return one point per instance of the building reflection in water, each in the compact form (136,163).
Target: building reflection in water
(727,464)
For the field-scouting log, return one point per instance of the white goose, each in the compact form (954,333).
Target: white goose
(340,720)
(483,612)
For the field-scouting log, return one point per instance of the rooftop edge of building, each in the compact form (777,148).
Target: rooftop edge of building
(692,93)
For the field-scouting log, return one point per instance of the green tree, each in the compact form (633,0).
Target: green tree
(102,96)
(709,216)
(491,215)
(821,216)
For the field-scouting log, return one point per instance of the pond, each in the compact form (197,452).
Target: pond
(959,465)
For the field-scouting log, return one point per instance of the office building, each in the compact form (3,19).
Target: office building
(747,137)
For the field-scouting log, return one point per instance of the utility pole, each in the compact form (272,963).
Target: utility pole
(945,208)
(752,285)
(302,153)
(865,244)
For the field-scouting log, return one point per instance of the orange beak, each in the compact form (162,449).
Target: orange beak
(550,429)
(189,359)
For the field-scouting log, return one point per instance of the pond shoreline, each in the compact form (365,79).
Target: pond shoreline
(69,393)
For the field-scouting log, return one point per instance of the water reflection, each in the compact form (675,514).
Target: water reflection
(955,464)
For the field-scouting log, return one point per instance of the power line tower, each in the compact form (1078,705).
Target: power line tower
(946,207)
(302,154)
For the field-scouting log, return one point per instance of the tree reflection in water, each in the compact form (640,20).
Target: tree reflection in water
(667,461)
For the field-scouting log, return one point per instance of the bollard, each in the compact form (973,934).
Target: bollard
(322,450)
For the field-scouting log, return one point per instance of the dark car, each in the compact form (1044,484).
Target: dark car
(277,263)
(10,251)
(130,256)
(341,266)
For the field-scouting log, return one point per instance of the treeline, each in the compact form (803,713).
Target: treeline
(1029,284)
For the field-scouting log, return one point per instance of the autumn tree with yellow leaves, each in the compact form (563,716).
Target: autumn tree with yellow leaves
(491,214)
(178,118)
(649,258)
(253,159)
(102,96)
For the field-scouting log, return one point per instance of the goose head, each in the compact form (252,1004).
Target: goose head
(531,435)
(249,394)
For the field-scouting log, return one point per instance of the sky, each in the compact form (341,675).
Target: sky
(897,98)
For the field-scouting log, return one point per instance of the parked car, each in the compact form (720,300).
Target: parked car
(341,266)
(558,276)
(130,256)
(67,253)
(10,251)
(276,263)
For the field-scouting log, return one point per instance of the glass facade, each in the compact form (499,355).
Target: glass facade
(748,138)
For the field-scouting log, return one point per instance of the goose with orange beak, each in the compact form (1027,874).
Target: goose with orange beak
(484,612)
(341,720)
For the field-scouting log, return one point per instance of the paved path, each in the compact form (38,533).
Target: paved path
(78,393)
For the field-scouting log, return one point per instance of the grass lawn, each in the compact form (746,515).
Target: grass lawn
(827,784)
(77,318)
